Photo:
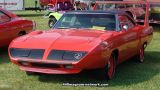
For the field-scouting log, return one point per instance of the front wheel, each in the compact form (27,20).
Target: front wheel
(52,21)
(29,73)
(109,71)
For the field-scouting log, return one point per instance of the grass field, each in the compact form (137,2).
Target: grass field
(30,3)
(129,76)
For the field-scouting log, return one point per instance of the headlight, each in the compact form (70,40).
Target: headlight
(72,55)
(66,55)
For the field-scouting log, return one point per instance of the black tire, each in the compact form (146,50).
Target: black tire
(21,33)
(109,71)
(140,56)
(30,73)
(52,21)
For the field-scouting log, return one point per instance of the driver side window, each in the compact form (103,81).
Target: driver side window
(4,18)
(125,22)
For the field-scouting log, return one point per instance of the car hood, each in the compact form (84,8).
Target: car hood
(78,40)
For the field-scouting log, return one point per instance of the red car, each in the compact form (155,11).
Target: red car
(12,26)
(82,40)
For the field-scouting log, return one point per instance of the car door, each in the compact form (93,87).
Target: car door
(129,36)
(5,28)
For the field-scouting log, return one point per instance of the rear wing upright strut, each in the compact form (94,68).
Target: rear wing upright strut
(144,2)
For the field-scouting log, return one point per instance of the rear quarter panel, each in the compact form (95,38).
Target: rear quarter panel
(146,35)
(22,25)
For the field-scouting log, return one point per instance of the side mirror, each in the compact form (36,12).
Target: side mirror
(125,27)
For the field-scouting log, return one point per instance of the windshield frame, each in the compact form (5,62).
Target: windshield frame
(116,20)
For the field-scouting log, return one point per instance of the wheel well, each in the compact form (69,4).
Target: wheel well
(51,16)
(22,33)
(145,45)
(116,53)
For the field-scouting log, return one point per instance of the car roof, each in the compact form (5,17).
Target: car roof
(97,12)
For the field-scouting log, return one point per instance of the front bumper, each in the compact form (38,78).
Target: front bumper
(47,67)
(51,71)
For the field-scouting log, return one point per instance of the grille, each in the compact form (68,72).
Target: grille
(27,53)
(42,65)
(45,65)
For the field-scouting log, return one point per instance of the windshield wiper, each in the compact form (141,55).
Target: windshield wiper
(62,28)
(72,28)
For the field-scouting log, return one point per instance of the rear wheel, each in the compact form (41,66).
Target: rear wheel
(52,21)
(140,56)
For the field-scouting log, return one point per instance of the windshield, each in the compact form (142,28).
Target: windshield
(89,21)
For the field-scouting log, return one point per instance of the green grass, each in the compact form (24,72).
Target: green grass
(38,17)
(130,75)
(30,3)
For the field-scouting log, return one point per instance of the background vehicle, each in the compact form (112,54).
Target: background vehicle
(12,26)
(67,5)
(46,2)
(154,13)
(134,10)
(154,16)
(56,8)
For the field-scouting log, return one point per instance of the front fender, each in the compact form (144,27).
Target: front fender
(95,59)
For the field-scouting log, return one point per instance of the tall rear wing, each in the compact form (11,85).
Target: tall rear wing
(145,4)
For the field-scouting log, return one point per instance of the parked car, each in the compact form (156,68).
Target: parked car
(54,17)
(134,10)
(82,40)
(154,14)
(56,10)
(12,26)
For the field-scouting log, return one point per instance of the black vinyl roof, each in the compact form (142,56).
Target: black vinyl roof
(97,12)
